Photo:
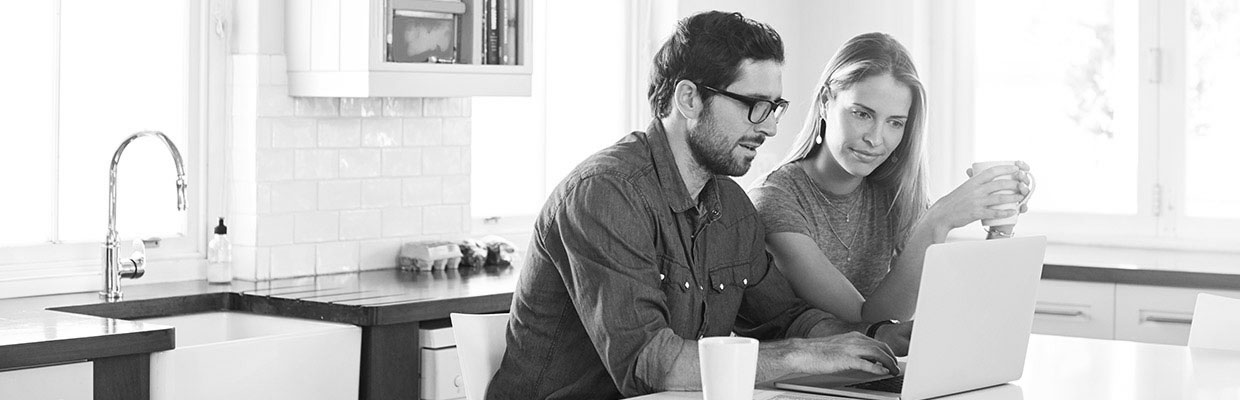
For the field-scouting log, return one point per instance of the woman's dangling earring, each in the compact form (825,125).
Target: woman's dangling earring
(822,131)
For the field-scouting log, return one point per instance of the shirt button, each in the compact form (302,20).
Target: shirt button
(701,288)
(661,276)
(720,286)
(686,284)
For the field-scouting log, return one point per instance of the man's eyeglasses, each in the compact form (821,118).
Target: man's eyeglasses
(759,109)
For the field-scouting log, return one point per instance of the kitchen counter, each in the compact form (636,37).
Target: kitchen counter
(1190,269)
(119,350)
(53,338)
(388,304)
(371,298)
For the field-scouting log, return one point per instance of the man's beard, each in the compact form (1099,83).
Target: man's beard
(712,150)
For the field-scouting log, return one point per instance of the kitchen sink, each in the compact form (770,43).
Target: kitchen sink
(237,355)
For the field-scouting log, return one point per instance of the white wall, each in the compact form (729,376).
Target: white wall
(328,185)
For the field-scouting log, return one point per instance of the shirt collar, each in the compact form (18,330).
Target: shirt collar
(675,193)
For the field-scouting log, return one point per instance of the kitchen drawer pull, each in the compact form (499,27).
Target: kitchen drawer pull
(1170,320)
(1064,313)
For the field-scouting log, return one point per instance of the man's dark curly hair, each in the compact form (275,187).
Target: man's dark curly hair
(707,49)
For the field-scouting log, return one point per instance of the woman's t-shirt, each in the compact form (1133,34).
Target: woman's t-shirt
(853,230)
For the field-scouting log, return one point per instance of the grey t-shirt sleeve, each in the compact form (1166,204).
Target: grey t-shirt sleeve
(780,210)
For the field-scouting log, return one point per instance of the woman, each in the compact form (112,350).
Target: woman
(847,214)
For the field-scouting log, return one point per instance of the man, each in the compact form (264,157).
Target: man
(648,246)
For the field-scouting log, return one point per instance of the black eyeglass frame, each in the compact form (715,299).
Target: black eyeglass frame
(776,107)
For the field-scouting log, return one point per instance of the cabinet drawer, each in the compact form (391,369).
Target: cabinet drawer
(1081,309)
(1156,314)
(58,382)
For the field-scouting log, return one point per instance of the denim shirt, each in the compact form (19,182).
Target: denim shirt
(624,267)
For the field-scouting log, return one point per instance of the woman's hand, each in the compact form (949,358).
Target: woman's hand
(971,201)
(1023,177)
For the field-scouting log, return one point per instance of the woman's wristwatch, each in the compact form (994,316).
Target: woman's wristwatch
(996,233)
(873,329)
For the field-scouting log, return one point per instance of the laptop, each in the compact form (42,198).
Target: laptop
(974,314)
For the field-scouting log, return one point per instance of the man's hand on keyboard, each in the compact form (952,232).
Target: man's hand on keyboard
(849,351)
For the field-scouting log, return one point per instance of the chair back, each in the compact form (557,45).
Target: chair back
(1216,323)
(480,345)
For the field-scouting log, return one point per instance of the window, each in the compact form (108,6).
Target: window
(586,96)
(80,77)
(1120,107)
(1075,117)
(1212,95)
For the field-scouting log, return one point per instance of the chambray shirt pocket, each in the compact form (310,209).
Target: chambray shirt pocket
(727,289)
(676,282)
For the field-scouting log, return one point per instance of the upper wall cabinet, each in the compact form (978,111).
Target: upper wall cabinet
(408,48)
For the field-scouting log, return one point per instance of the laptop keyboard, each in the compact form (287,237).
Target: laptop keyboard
(891,385)
(798,396)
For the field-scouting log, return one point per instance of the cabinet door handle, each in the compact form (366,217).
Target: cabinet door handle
(1170,320)
(1064,313)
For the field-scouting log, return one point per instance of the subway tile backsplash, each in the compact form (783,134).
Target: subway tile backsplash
(361,107)
(359,163)
(329,185)
(382,132)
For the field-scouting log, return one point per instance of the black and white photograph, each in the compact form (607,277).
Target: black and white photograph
(606,199)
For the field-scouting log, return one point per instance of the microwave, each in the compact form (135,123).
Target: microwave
(424,31)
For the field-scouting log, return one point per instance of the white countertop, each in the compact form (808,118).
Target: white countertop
(1068,368)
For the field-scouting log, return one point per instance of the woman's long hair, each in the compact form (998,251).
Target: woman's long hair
(903,174)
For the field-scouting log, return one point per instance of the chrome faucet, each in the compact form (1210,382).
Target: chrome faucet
(114,269)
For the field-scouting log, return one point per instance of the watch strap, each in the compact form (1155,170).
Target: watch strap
(873,329)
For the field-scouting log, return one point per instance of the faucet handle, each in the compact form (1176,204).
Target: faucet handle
(181,203)
(135,266)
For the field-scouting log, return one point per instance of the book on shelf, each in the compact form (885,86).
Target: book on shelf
(500,35)
(485,31)
(491,31)
(509,36)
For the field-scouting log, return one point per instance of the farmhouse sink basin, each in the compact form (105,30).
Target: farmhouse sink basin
(237,355)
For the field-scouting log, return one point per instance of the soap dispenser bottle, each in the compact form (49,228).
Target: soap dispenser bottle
(219,256)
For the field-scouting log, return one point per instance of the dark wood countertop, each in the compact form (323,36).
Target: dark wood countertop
(80,326)
(1153,267)
(371,298)
(53,338)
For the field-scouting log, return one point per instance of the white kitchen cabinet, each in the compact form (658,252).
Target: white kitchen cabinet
(1156,314)
(59,382)
(1081,309)
(338,48)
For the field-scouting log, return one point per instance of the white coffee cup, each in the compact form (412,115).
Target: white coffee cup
(728,367)
(978,167)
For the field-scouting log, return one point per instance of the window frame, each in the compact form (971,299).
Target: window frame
(1160,221)
(59,266)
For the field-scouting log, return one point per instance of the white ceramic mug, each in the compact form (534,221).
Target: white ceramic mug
(978,167)
(728,367)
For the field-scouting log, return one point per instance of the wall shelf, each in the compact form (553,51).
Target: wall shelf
(336,48)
